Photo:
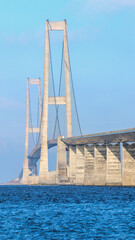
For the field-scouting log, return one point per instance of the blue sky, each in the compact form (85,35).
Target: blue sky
(102,51)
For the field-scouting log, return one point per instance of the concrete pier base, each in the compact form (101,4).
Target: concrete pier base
(44,179)
(26,176)
(128,165)
(52,177)
(30,180)
(113,167)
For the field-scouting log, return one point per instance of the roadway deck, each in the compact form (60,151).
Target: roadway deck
(127,135)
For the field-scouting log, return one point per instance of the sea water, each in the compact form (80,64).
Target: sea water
(67,212)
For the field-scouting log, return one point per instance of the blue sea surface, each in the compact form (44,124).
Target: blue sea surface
(67,212)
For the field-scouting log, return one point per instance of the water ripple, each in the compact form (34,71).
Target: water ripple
(67,212)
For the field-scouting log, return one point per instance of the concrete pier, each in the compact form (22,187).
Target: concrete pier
(72,164)
(89,165)
(100,165)
(113,167)
(128,165)
(61,161)
(80,165)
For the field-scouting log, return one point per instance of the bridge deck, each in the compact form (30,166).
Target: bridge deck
(127,135)
(35,154)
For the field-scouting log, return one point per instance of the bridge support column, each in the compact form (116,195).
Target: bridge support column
(100,165)
(67,82)
(43,170)
(89,165)
(61,161)
(80,158)
(72,164)
(26,170)
(128,165)
(113,167)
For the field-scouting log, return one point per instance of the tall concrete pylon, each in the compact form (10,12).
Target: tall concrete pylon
(50,26)
(28,129)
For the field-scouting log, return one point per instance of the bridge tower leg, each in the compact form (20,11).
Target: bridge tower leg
(26,170)
(43,172)
(28,129)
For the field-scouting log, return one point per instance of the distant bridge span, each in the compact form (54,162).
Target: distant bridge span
(35,154)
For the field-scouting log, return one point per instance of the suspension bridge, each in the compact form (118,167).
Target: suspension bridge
(94,159)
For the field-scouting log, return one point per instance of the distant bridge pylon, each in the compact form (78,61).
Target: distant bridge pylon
(29,168)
